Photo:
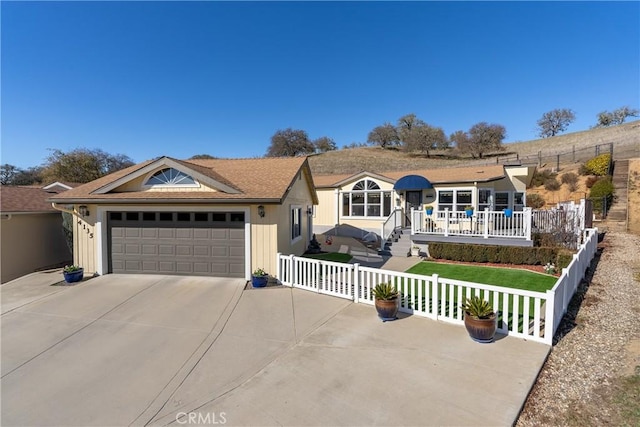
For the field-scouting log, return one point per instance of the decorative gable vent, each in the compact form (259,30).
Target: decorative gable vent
(170,177)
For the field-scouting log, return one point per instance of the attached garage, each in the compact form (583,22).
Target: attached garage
(181,243)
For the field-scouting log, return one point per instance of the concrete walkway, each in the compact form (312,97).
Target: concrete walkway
(140,350)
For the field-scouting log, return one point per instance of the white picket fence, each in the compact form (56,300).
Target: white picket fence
(525,314)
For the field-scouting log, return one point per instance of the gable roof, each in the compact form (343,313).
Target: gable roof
(23,199)
(259,180)
(435,176)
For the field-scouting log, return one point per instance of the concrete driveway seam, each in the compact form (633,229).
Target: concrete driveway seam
(164,396)
(53,292)
(78,330)
(196,405)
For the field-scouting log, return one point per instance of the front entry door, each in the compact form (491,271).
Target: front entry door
(413,200)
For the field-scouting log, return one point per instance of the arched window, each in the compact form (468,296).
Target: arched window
(366,199)
(170,177)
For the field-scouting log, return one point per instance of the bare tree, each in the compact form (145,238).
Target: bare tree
(616,117)
(384,136)
(290,143)
(8,173)
(555,121)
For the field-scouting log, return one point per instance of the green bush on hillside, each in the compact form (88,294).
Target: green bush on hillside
(535,201)
(602,192)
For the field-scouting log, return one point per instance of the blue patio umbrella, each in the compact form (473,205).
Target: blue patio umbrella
(412,182)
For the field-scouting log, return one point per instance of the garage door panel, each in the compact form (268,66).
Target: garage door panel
(201,233)
(184,250)
(184,234)
(132,232)
(175,247)
(150,249)
(132,249)
(166,233)
(150,233)
(201,251)
(166,250)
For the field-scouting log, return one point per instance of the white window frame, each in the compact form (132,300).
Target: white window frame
(366,205)
(296,234)
(455,206)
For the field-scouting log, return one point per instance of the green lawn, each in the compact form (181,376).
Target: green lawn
(506,277)
(330,256)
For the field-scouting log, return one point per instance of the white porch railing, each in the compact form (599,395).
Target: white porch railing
(391,224)
(525,314)
(483,224)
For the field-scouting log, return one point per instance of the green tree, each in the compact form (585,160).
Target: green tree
(324,144)
(616,117)
(482,138)
(201,157)
(384,136)
(555,121)
(290,143)
(12,175)
(82,165)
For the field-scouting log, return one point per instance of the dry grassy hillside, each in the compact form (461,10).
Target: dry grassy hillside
(568,148)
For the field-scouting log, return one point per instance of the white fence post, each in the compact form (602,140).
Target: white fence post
(278,267)
(485,223)
(436,295)
(294,272)
(356,282)
(446,222)
(527,222)
(549,327)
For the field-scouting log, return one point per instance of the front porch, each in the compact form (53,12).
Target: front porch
(504,228)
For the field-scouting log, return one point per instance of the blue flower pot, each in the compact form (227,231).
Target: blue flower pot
(259,281)
(74,276)
(508,213)
(429,211)
(469,212)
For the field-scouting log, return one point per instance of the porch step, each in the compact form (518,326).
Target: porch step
(399,244)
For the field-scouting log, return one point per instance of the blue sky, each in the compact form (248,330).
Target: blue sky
(147,79)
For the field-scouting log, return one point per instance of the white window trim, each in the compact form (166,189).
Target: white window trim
(474,196)
(365,205)
(292,208)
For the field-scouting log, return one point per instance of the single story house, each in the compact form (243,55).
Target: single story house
(31,231)
(213,217)
(364,202)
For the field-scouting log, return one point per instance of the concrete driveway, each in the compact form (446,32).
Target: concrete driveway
(158,350)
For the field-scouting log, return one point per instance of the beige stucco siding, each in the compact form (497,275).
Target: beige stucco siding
(264,238)
(85,241)
(31,242)
(326,213)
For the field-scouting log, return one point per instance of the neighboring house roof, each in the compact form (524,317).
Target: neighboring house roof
(435,176)
(263,180)
(23,199)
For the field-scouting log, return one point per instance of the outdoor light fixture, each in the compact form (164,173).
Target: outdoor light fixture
(261,211)
(83,210)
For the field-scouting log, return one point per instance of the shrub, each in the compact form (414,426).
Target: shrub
(590,181)
(563,259)
(541,177)
(569,178)
(602,191)
(599,165)
(583,170)
(494,254)
(535,201)
(552,185)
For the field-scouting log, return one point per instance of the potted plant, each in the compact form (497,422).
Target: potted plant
(386,301)
(73,273)
(479,319)
(259,278)
(508,212)
(415,250)
(469,210)
(428,209)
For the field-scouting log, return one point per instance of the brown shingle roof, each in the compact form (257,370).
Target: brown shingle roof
(255,179)
(15,199)
(435,176)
